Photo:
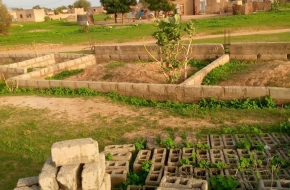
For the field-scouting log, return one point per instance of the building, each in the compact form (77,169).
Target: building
(30,15)
(96,10)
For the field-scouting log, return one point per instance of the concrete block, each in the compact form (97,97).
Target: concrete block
(123,165)
(97,86)
(256,92)
(155,175)
(216,172)
(151,143)
(269,184)
(110,87)
(121,156)
(117,177)
(231,157)
(159,156)
(192,94)
(134,187)
(254,140)
(174,157)
(32,83)
(280,95)
(69,177)
(285,184)
(82,84)
(71,84)
(92,176)
(212,92)
(216,142)
(281,139)
(201,173)
(229,141)
(234,92)
(22,83)
(202,155)
(28,181)
(216,155)
(185,171)
(43,84)
(107,181)
(124,87)
(75,152)
(142,156)
(156,89)
(120,148)
(269,57)
(183,183)
(171,171)
(47,177)
(268,140)
(55,83)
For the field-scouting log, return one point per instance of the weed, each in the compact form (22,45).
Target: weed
(202,146)
(168,143)
(244,144)
(65,74)
(223,182)
(139,145)
(108,156)
(184,161)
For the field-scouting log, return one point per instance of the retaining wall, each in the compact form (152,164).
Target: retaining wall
(260,51)
(198,77)
(19,68)
(50,70)
(138,52)
(15,57)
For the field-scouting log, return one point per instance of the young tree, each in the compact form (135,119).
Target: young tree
(160,5)
(5,19)
(117,6)
(82,4)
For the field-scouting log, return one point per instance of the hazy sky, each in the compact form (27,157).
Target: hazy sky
(28,4)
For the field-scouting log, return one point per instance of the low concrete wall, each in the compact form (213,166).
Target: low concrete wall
(260,51)
(53,69)
(137,52)
(198,77)
(164,92)
(19,68)
(9,58)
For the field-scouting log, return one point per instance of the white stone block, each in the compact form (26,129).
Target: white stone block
(47,177)
(92,176)
(107,181)
(75,152)
(34,187)
(28,181)
(70,177)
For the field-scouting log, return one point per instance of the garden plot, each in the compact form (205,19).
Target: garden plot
(270,73)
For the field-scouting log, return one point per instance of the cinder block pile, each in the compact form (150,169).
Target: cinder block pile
(74,164)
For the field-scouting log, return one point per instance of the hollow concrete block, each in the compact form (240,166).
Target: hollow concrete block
(75,152)
(229,141)
(120,148)
(256,92)
(70,84)
(117,177)
(171,171)
(216,141)
(55,83)
(280,95)
(212,92)
(155,174)
(69,177)
(97,86)
(82,84)
(124,165)
(142,156)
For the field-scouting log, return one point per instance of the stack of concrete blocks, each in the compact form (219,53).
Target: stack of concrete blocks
(75,164)
(268,140)
(176,183)
(28,183)
(118,168)
(142,156)
(174,157)
(229,141)
(157,168)
(216,141)
(8,58)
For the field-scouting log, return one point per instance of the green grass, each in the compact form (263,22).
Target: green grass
(65,74)
(68,33)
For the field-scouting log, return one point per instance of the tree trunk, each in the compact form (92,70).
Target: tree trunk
(122,18)
(115,17)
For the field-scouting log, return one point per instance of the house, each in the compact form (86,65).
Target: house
(96,10)
(30,15)
(13,16)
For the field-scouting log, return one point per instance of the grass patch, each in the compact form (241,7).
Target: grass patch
(65,74)
(115,64)
(226,72)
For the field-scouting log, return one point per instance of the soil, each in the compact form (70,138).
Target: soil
(130,72)
(272,73)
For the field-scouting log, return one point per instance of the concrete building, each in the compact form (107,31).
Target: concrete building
(30,15)
(96,10)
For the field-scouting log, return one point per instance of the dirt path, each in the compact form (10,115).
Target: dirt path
(51,48)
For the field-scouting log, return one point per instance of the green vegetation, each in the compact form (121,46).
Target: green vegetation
(225,72)
(60,32)
(65,74)
(223,182)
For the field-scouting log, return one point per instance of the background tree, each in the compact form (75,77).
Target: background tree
(160,5)
(36,7)
(117,6)
(82,4)
(5,19)
(70,6)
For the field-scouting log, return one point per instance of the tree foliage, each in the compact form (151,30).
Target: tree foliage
(144,3)
(160,5)
(82,4)
(117,6)
(5,19)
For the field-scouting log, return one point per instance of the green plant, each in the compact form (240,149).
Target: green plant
(184,161)
(169,39)
(223,182)
(221,165)
(139,145)
(202,146)
(244,144)
(146,166)
(168,143)
(65,74)
(46,19)
(30,69)
(109,156)
(203,164)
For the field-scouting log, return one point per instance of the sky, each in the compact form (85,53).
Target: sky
(28,4)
